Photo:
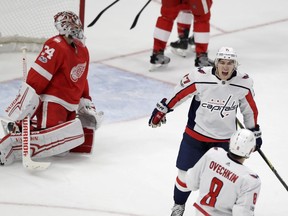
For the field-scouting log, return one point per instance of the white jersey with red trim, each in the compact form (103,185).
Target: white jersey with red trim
(225,186)
(212,114)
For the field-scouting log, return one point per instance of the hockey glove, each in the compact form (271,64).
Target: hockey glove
(88,115)
(86,106)
(158,115)
(257,133)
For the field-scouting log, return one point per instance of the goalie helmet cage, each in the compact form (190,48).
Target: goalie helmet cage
(29,23)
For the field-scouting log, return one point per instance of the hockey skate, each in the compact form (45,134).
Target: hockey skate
(158,59)
(191,41)
(180,47)
(178,210)
(202,60)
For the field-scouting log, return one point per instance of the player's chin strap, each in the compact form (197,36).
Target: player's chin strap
(266,160)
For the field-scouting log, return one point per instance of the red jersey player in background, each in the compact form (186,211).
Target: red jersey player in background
(201,25)
(226,186)
(58,82)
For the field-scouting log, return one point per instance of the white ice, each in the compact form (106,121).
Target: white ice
(132,168)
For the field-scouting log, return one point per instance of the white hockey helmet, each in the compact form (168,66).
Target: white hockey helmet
(242,143)
(69,24)
(227,53)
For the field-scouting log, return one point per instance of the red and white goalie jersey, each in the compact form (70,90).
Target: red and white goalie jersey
(225,186)
(59,74)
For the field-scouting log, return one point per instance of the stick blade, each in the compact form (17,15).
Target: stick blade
(34,165)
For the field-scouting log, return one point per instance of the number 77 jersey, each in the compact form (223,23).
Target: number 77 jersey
(226,187)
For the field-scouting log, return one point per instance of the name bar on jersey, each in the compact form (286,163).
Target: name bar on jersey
(223,171)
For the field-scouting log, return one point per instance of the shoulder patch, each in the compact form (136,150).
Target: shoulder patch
(42,59)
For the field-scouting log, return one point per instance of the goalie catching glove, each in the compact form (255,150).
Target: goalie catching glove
(158,116)
(88,115)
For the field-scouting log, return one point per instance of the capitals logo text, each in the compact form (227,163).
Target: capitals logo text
(223,106)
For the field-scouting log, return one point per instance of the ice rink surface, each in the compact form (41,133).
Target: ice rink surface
(132,168)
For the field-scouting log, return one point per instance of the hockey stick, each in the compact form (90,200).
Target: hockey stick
(26,151)
(100,14)
(267,161)
(137,16)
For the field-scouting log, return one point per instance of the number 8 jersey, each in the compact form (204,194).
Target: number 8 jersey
(226,187)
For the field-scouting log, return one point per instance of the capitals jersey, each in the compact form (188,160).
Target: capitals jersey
(212,114)
(59,73)
(226,187)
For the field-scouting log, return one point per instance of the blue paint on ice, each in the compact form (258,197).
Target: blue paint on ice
(121,95)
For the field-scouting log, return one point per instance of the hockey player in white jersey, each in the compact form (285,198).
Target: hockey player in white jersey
(226,187)
(218,92)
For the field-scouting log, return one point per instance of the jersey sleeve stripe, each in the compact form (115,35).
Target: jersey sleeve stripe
(182,94)
(42,71)
(253,106)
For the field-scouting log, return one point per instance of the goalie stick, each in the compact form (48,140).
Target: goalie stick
(267,161)
(138,15)
(100,14)
(26,151)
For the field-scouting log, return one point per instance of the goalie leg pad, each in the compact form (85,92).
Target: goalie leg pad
(86,147)
(48,142)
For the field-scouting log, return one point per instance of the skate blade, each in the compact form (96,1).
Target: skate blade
(155,67)
(180,52)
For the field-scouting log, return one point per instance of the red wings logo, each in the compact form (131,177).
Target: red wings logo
(77,72)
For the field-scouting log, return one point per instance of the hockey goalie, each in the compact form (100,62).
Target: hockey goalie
(55,95)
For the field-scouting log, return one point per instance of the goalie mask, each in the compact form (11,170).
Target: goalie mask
(69,24)
(242,143)
(226,53)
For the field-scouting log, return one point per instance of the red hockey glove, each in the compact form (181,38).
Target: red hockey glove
(158,115)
